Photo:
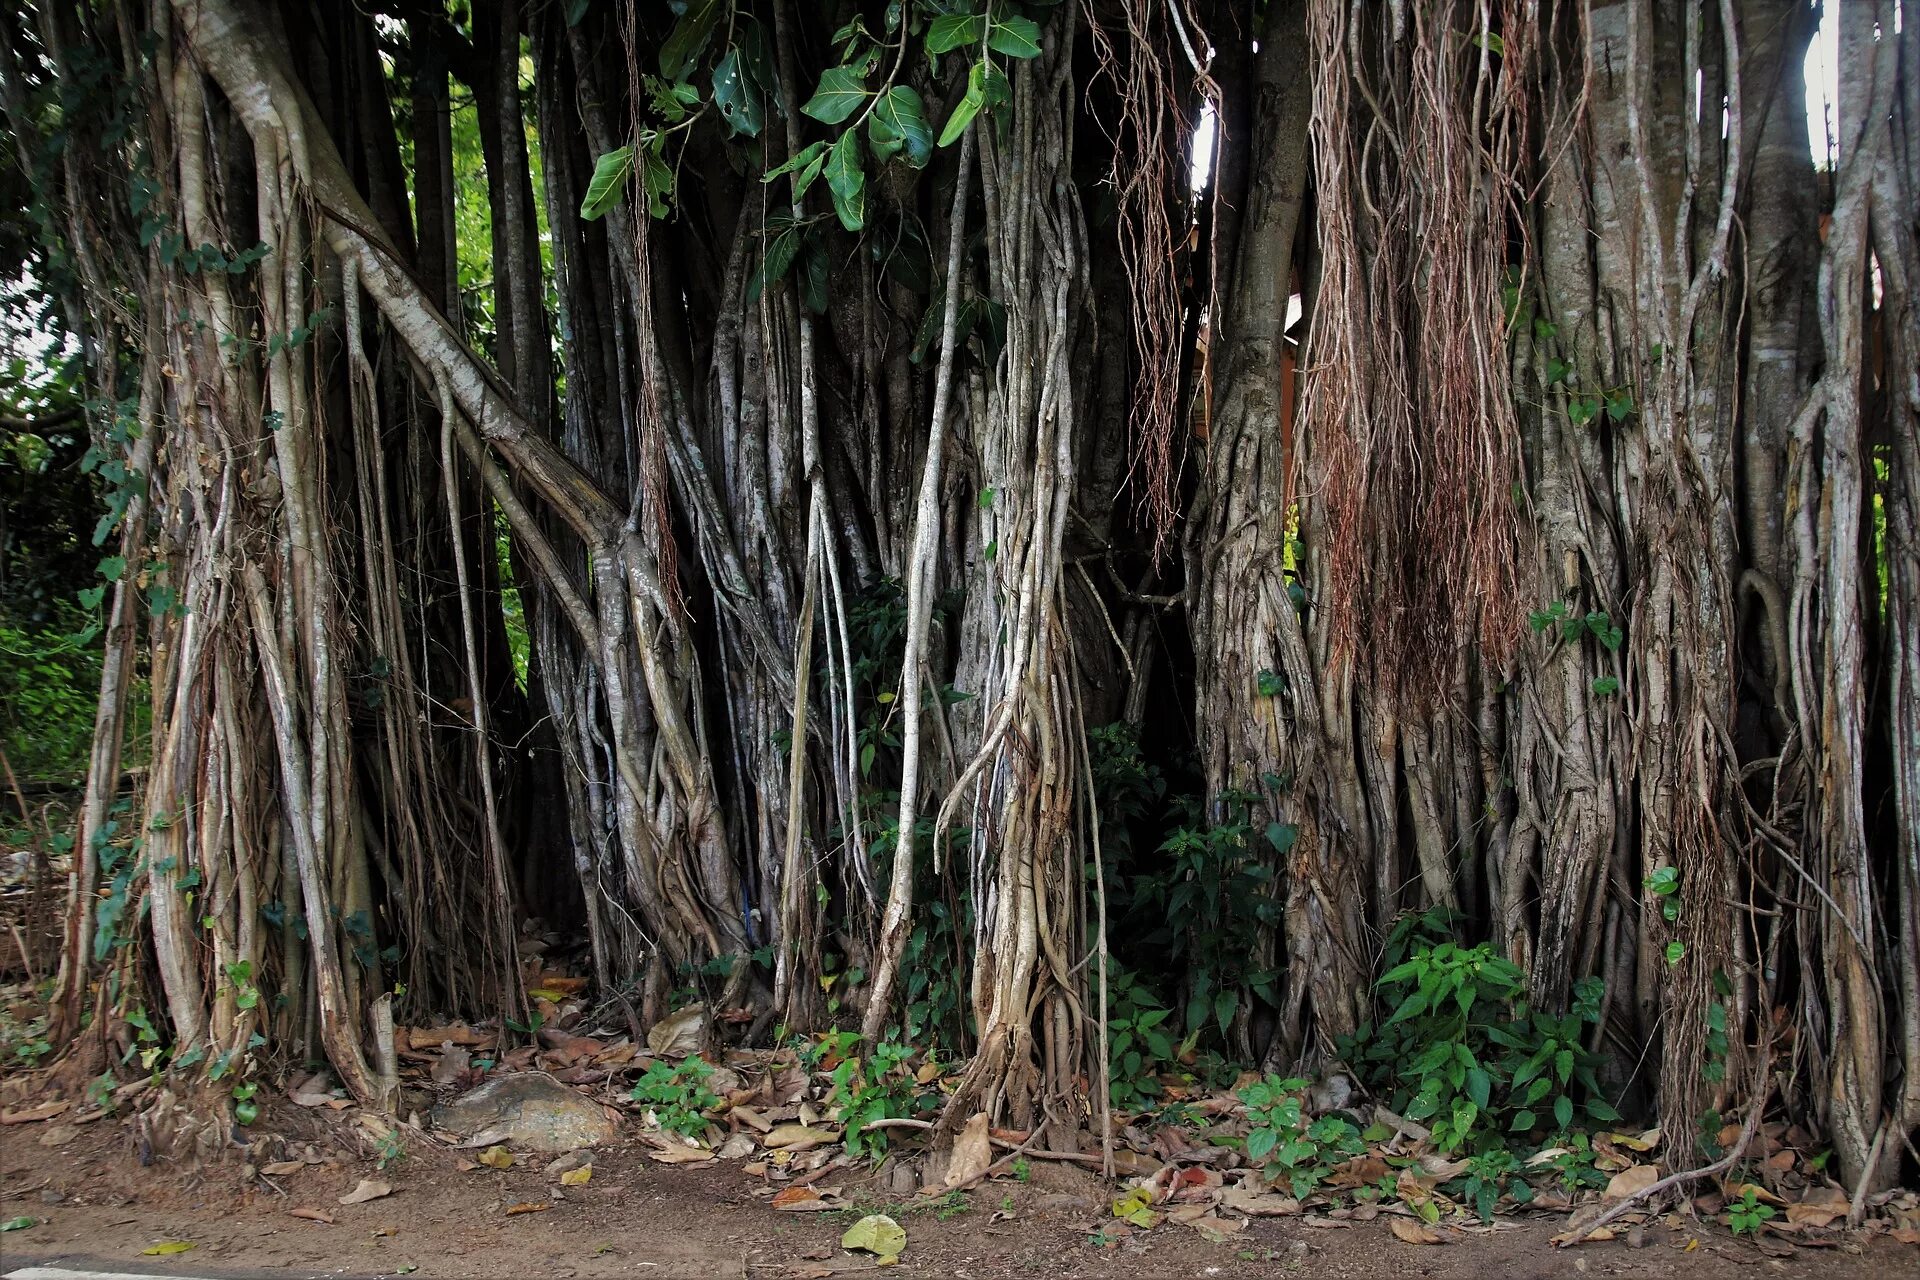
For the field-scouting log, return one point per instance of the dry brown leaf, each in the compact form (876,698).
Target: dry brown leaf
(972,1151)
(369,1189)
(798,1137)
(281,1168)
(802,1200)
(1816,1215)
(1315,1220)
(312,1215)
(1415,1232)
(676,1154)
(1214,1230)
(1260,1204)
(1631,1182)
(528,1206)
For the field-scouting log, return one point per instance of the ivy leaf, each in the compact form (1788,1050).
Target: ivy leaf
(689,38)
(739,104)
(1282,835)
(90,597)
(1015,37)
(111,567)
(610,174)
(899,119)
(841,91)
(848,181)
(1606,686)
(954,30)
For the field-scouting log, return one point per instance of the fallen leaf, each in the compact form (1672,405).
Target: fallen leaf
(1315,1220)
(33,1115)
(528,1206)
(676,1154)
(1214,1230)
(497,1158)
(972,1152)
(801,1200)
(1260,1204)
(369,1189)
(1645,1140)
(1136,1206)
(281,1168)
(798,1137)
(312,1215)
(1413,1232)
(1905,1235)
(799,1272)
(737,1147)
(577,1177)
(17,1224)
(1816,1215)
(166,1248)
(876,1234)
(1631,1182)
(464,1165)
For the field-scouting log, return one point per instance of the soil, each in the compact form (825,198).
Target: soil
(98,1207)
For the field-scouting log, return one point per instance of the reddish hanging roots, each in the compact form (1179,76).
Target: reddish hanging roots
(1154,134)
(1409,407)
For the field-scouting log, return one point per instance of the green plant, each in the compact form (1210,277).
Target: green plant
(1747,1214)
(1139,1043)
(677,1095)
(880,1086)
(1463,1051)
(1286,1144)
(392,1152)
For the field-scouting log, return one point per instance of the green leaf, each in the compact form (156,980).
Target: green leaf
(17,1224)
(689,38)
(610,174)
(1282,835)
(1260,1142)
(967,108)
(841,91)
(1015,37)
(1224,1003)
(954,30)
(1479,1087)
(1606,686)
(1563,1111)
(576,10)
(848,181)
(1522,1121)
(800,159)
(899,119)
(90,597)
(111,567)
(738,103)
(657,180)
(1676,952)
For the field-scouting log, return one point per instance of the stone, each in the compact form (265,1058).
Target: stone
(530,1111)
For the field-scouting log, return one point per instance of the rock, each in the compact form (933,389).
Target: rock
(738,1147)
(50,1196)
(528,1110)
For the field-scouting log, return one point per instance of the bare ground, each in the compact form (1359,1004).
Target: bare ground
(96,1206)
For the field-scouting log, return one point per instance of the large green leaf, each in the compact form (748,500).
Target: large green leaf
(841,91)
(688,39)
(954,31)
(897,120)
(848,181)
(1015,37)
(610,174)
(739,104)
(967,108)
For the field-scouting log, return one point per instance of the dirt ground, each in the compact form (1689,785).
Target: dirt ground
(95,1206)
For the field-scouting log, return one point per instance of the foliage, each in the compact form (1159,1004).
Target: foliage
(1461,1049)
(880,1086)
(1140,1044)
(1286,1143)
(1747,1214)
(677,1095)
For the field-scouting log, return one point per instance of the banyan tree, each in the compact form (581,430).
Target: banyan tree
(787,492)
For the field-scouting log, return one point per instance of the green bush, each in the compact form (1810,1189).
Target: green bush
(49,685)
(1463,1052)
